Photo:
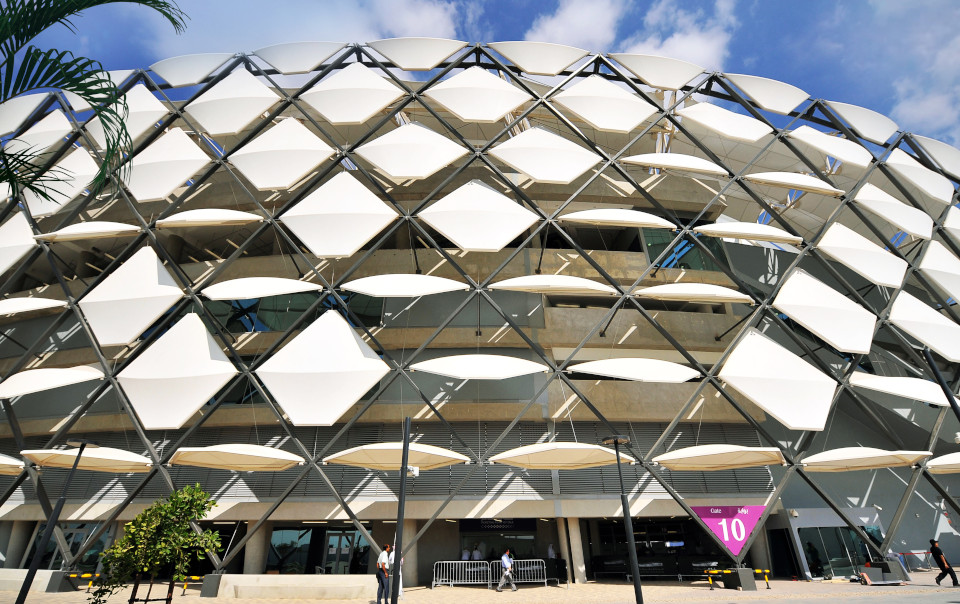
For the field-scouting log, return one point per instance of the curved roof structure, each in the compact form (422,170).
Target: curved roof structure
(719,457)
(559,456)
(389,456)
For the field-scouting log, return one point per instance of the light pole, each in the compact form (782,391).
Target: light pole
(616,440)
(52,521)
(398,546)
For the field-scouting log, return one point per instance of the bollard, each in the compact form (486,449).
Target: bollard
(710,579)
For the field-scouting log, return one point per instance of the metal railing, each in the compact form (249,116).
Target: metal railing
(524,571)
(462,572)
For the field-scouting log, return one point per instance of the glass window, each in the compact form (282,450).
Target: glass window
(684,254)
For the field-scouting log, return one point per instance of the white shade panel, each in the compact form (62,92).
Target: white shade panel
(869,124)
(676,161)
(117,76)
(130,299)
(46,378)
(945,464)
(14,306)
(403,286)
(207,217)
(638,370)
(555,284)
(771,95)
(706,458)
(187,70)
(95,229)
(847,459)
(298,57)
(936,186)
(903,216)
(659,72)
(847,151)
(411,151)
(781,383)
(247,288)
(477,218)
(476,95)
(907,387)
(165,165)
(604,105)
(479,367)
(10,466)
(144,110)
(337,219)
(389,457)
(96,459)
(539,58)
(927,325)
(16,239)
(16,110)
(176,376)
(240,457)
(545,157)
(560,456)
(416,54)
(942,267)
(45,133)
(322,372)
(694,292)
(793,180)
(617,217)
(281,156)
(830,315)
(951,223)
(352,95)
(748,230)
(862,256)
(73,173)
(726,123)
(232,103)
(947,156)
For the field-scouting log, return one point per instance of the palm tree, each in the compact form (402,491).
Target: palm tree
(25,68)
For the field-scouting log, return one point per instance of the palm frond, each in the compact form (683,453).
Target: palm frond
(20,172)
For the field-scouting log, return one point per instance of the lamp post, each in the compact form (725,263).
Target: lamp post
(398,546)
(52,521)
(616,440)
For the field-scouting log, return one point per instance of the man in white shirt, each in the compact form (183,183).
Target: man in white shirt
(383,573)
(477,554)
(465,554)
(506,562)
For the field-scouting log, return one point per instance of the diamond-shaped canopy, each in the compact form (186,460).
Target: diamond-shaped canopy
(416,54)
(352,95)
(862,256)
(945,464)
(539,58)
(322,372)
(942,267)
(16,111)
(927,325)
(947,156)
(240,457)
(403,286)
(771,95)
(617,217)
(411,151)
(176,375)
(869,124)
(15,306)
(74,172)
(298,57)
(232,103)
(748,230)
(559,456)
(779,382)
(143,111)
(476,95)
(555,284)
(46,378)
(10,466)
(833,317)
(96,459)
(187,70)
(639,370)
(130,299)
(165,165)
(281,156)
(16,239)
(694,292)
(95,229)
(840,148)
(207,217)
(659,72)
(338,218)
(604,105)
(935,186)
(907,387)
(45,133)
(706,458)
(792,180)
(389,457)
(545,157)
(477,218)
(726,123)
(905,217)
(479,367)
(848,459)
(247,288)
(676,161)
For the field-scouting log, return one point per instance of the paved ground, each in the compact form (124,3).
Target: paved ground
(922,590)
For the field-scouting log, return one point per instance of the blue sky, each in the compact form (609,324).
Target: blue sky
(901,58)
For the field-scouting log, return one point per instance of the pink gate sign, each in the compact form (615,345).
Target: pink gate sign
(733,524)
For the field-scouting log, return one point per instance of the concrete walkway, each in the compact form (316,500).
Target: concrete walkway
(923,590)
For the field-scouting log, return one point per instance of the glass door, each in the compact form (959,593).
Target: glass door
(338,552)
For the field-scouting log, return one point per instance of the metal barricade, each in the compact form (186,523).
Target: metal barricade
(524,571)
(461,572)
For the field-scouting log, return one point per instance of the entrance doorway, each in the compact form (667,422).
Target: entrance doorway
(833,551)
(345,552)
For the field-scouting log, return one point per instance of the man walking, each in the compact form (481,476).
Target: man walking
(941,561)
(506,563)
(383,573)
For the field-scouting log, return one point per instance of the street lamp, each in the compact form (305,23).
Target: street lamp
(616,440)
(52,520)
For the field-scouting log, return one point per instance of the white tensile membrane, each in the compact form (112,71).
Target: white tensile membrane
(165,165)
(772,95)
(545,157)
(479,367)
(247,288)
(847,151)
(240,457)
(905,217)
(416,54)
(10,466)
(604,105)
(559,456)
(50,130)
(677,162)
(298,57)
(539,58)
(73,173)
(617,217)
(14,306)
(705,458)
(352,95)
(281,156)
(96,459)
(917,389)
(232,103)
(862,256)
(927,325)
(555,284)
(936,186)
(945,464)
(46,378)
(847,459)
(694,292)
(726,123)
(389,457)
(869,124)
(93,229)
(207,217)
(638,369)
(476,95)
(664,73)
(187,70)
(144,110)
(411,151)
(748,230)
(16,239)
(793,180)
(942,267)
(403,286)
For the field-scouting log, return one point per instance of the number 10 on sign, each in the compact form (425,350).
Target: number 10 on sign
(733,524)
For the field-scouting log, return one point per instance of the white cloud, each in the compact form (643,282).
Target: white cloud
(692,35)
(587,24)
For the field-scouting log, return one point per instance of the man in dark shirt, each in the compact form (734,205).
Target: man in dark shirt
(941,561)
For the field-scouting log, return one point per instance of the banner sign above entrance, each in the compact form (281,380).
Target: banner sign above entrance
(733,524)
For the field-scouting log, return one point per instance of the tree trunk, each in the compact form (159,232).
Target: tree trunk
(136,585)
(170,591)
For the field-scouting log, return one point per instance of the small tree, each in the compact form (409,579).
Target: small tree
(161,538)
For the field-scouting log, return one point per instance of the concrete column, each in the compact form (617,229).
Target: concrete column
(411,574)
(18,543)
(760,550)
(256,548)
(564,550)
(577,567)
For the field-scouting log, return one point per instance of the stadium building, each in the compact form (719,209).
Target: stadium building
(523,247)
